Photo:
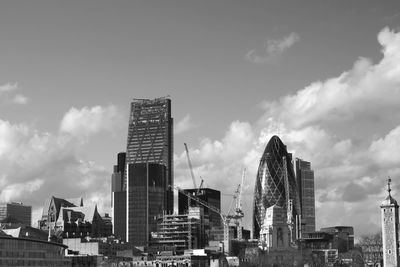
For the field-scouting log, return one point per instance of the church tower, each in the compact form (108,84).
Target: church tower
(390,229)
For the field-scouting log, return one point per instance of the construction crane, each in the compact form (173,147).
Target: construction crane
(225,219)
(190,166)
(191,171)
(239,214)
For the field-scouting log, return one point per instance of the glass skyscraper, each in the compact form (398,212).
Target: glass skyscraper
(305,183)
(150,138)
(146,184)
(275,184)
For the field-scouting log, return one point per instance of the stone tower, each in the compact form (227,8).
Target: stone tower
(390,229)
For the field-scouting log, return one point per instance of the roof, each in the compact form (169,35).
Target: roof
(12,232)
(78,201)
(60,202)
(27,232)
(78,214)
(33,240)
(389,201)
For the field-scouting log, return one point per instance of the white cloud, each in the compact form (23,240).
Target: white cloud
(273,48)
(347,126)
(6,92)
(365,90)
(385,151)
(35,165)
(20,99)
(87,121)
(8,87)
(184,125)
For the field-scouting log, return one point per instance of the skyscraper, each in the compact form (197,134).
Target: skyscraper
(275,185)
(150,138)
(148,175)
(305,183)
(118,197)
(146,189)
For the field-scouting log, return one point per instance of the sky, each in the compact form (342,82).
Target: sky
(323,75)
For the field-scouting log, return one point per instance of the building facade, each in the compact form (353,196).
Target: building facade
(146,189)
(390,230)
(210,196)
(31,252)
(178,232)
(17,211)
(274,234)
(150,139)
(305,183)
(275,185)
(118,197)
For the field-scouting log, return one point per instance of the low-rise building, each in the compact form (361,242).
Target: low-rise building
(31,252)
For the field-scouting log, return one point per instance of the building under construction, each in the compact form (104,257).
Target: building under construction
(180,231)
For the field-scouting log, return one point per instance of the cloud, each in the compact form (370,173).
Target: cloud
(347,126)
(87,121)
(20,99)
(184,125)
(8,87)
(385,150)
(6,91)
(273,48)
(36,165)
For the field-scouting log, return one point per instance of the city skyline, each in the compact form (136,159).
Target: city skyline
(322,76)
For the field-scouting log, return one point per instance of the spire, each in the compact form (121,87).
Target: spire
(389,200)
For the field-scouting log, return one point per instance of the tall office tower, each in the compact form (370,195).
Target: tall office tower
(305,183)
(150,139)
(17,211)
(275,185)
(146,190)
(390,230)
(118,198)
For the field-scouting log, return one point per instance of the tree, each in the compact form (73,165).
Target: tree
(371,246)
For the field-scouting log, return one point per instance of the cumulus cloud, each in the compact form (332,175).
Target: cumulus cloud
(272,49)
(6,94)
(20,99)
(8,87)
(347,126)
(87,121)
(184,125)
(35,164)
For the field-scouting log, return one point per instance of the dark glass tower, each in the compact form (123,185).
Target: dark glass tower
(146,189)
(305,182)
(118,198)
(275,183)
(150,139)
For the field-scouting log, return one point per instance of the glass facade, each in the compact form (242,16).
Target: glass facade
(275,183)
(305,182)
(150,138)
(27,252)
(17,211)
(118,197)
(147,185)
